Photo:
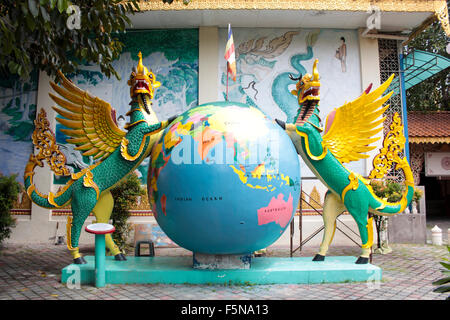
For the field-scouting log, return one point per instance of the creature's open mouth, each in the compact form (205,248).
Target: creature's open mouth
(313,91)
(141,85)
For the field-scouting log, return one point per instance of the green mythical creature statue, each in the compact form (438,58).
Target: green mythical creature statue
(349,130)
(92,128)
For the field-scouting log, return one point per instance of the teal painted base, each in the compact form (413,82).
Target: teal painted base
(264,270)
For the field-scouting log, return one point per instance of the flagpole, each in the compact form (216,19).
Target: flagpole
(226,97)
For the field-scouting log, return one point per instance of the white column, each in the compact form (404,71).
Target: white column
(370,73)
(40,227)
(208,71)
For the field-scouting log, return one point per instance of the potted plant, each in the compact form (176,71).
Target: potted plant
(415,199)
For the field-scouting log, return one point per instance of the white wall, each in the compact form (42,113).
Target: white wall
(208,61)
(370,73)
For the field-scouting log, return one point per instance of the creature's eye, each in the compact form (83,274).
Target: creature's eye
(302,83)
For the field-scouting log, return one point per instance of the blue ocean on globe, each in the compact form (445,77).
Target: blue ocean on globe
(224,179)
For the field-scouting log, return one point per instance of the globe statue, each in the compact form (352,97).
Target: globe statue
(223,179)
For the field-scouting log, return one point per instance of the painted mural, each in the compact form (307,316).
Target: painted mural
(173,57)
(17,113)
(266,57)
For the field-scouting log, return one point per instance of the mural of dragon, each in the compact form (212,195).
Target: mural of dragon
(255,59)
(349,131)
(93,130)
(281,82)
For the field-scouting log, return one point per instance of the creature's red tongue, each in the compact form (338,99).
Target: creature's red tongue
(311,92)
(141,84)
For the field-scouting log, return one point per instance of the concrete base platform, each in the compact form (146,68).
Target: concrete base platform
(221,261)
(264,270)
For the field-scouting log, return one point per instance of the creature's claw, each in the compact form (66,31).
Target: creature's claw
(79,260)
(362,260)
(319,257)
(120,257)
(282,124)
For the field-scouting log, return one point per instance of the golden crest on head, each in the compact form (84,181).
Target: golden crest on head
(142,80)
(308,86)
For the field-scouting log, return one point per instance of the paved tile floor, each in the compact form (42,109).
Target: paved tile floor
(33,272)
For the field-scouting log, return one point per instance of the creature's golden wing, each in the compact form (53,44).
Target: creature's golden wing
(89,119)
(350,128)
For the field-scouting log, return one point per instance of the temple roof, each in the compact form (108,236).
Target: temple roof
(400,16)
(430,127)
(341,5)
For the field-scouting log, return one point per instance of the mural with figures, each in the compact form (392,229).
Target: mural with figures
(266,57)
(173,57)
(17,113)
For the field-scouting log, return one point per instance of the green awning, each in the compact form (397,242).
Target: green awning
(419,65)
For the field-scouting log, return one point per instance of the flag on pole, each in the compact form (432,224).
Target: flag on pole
(230,55)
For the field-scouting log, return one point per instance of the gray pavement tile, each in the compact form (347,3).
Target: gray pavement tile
(407,274)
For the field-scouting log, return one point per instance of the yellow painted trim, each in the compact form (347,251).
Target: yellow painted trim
(64,189)
(89,182)
(442,15)
(30,190)
(78,175)
(383,203)
(369,227)
(51,200)
(429,139)
(124,149)
(353,185)
(69,233)
(125,142)
(128,125)
(40,194)
(308,151)
(28,174)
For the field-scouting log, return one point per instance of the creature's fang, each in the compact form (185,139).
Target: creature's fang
(141,85)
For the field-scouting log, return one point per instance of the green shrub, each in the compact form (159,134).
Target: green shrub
(392,192)
(386,189)
(125,195)
(9,189)
(417,195)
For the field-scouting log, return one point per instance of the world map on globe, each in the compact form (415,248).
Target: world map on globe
(224,179)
